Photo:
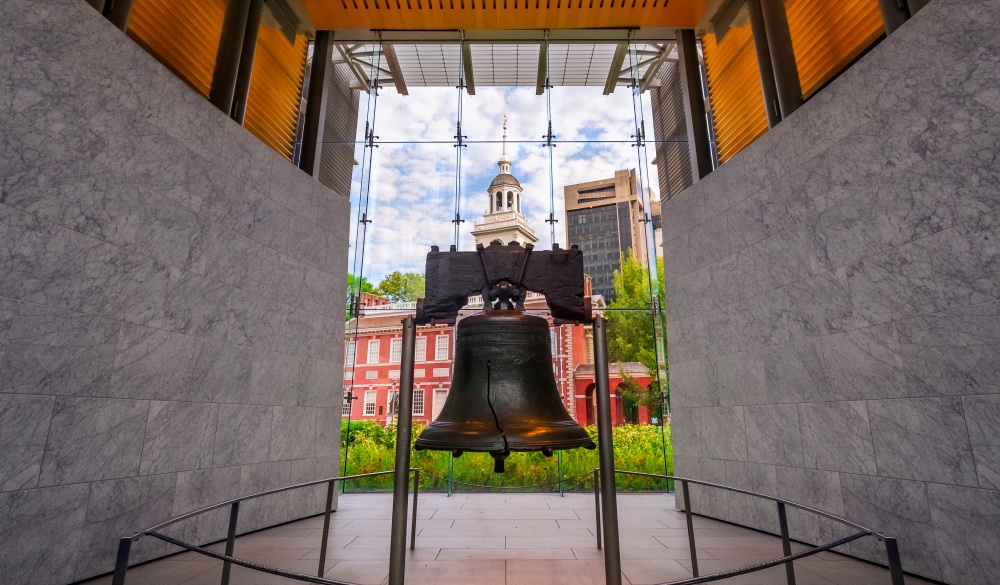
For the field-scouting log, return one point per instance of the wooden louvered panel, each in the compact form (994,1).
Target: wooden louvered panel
(276,89)
(181,34)
(734,90)
(829,34)
(501,14)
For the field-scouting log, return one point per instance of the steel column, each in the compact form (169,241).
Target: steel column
(325,540)
(606,451)
(121,562)
(234,516)
(227,59)
(404,424)
(597,504)
(247,53)
(895,566)
(690,527)
(118,12)
(315,115)
(894,14)
(699,146)
(786,543)
(413,523)
(764,63)
(779,44)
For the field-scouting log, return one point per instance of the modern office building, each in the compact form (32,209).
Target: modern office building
(174,241)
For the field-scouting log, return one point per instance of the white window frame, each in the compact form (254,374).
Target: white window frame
(441,349)
(395,350)
(554,338)
(346,409)
(370,397)
(421,349)
(373,351)
(418,402)
(350,353)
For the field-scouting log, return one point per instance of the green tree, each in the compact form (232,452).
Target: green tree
(402,286)
(356,286)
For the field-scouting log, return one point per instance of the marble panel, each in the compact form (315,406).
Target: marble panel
(982,415)
(953,352)
(92,439)
(896,507)
(301,333)
(773,434)
(966,260)
(896,284)
(762,321)
(293,431)
(923,439)
(691,385)
(24,426)
(323,293)
(340,254)
(724,433)
(214,194)
(308,242)
(782,258)
(864,363)
(964,523)
(310,500)
(982,81)
(31,77)
(119,507)
(710,501)
(819,305)
(28,521)
(691,294)
(685,432)
(256,321)
(733,278)
(283,279)
(196,305)
(243,435)
(199,488)
(118,284)
(740,378)
(153,364)
(322,384)
(26,15)
(53,352)
(267,510)
(817,489)
(221,373)
(328,427)
(171,233)
(794,373)
(760,216)
(710,242)
(836,436)
(748,510)
(276,378)
(179,436)
(236,259)
(844,234)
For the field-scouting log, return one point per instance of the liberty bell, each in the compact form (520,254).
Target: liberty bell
(503,395)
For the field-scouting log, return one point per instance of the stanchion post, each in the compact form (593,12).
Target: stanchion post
(325,540)
(606,451)
(690,527)
(413,523)
(559,463)
(451,472)
(404,429)
(597,504)
(121,562)
(895,566)
(786,543)
(234,518)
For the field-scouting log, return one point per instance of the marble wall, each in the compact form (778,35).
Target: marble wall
(833,297)
(171,304)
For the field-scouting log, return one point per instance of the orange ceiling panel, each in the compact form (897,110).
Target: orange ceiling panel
(276,89)
(501,14)
(734,90)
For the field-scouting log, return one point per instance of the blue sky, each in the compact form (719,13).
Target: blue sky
(412,183)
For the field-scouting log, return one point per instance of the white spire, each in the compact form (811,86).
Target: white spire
(504,161)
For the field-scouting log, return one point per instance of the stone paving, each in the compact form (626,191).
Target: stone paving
(496,539)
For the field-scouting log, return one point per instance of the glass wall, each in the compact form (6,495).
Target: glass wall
(535,140)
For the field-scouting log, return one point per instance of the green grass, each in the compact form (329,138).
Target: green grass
(637,448)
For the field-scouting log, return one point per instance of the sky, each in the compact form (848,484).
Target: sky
(411,188)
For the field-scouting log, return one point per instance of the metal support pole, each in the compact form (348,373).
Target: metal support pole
(786,543)
(690,527)
(413,523)
(451,472)
(234,516)
(694,103)
(121,562)
(325,540)
(404,429)
(315,115)
(227,59)
(247,52)
(779,44)
(118,13)
(597,504)
(606,449)
(764,65)
(894,14)
(895,566)
(559,463)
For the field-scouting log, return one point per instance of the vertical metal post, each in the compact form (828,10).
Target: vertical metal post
(690,527)
(118,13)
(606,449)
(894,14)
(227,59)
(779,43)
(559,463)
(325,540)
(247,52)
(413,523)
(694,104)
(764,65)
(234,516)
(121,562)
(786,543)
(597,504)
(451,472)
(404,429)
(315,114)
(895,566)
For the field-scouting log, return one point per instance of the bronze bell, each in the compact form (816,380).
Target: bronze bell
(503,394)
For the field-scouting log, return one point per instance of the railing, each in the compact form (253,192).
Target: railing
(891,546)
(125,543)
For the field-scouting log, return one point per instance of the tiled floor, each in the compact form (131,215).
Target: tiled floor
(521,539)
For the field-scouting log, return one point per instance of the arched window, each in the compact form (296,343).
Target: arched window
(497,241)
(499,205)
(510,200)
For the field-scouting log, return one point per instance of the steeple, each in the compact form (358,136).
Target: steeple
(504,161)
(502,221)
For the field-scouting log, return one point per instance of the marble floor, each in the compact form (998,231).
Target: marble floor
(495,539)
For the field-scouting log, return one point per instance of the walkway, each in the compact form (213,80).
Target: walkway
(522,539)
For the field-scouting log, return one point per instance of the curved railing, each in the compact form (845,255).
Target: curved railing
(891,546)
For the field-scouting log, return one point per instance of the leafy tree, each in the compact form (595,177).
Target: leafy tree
(356,286)
(402,286)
